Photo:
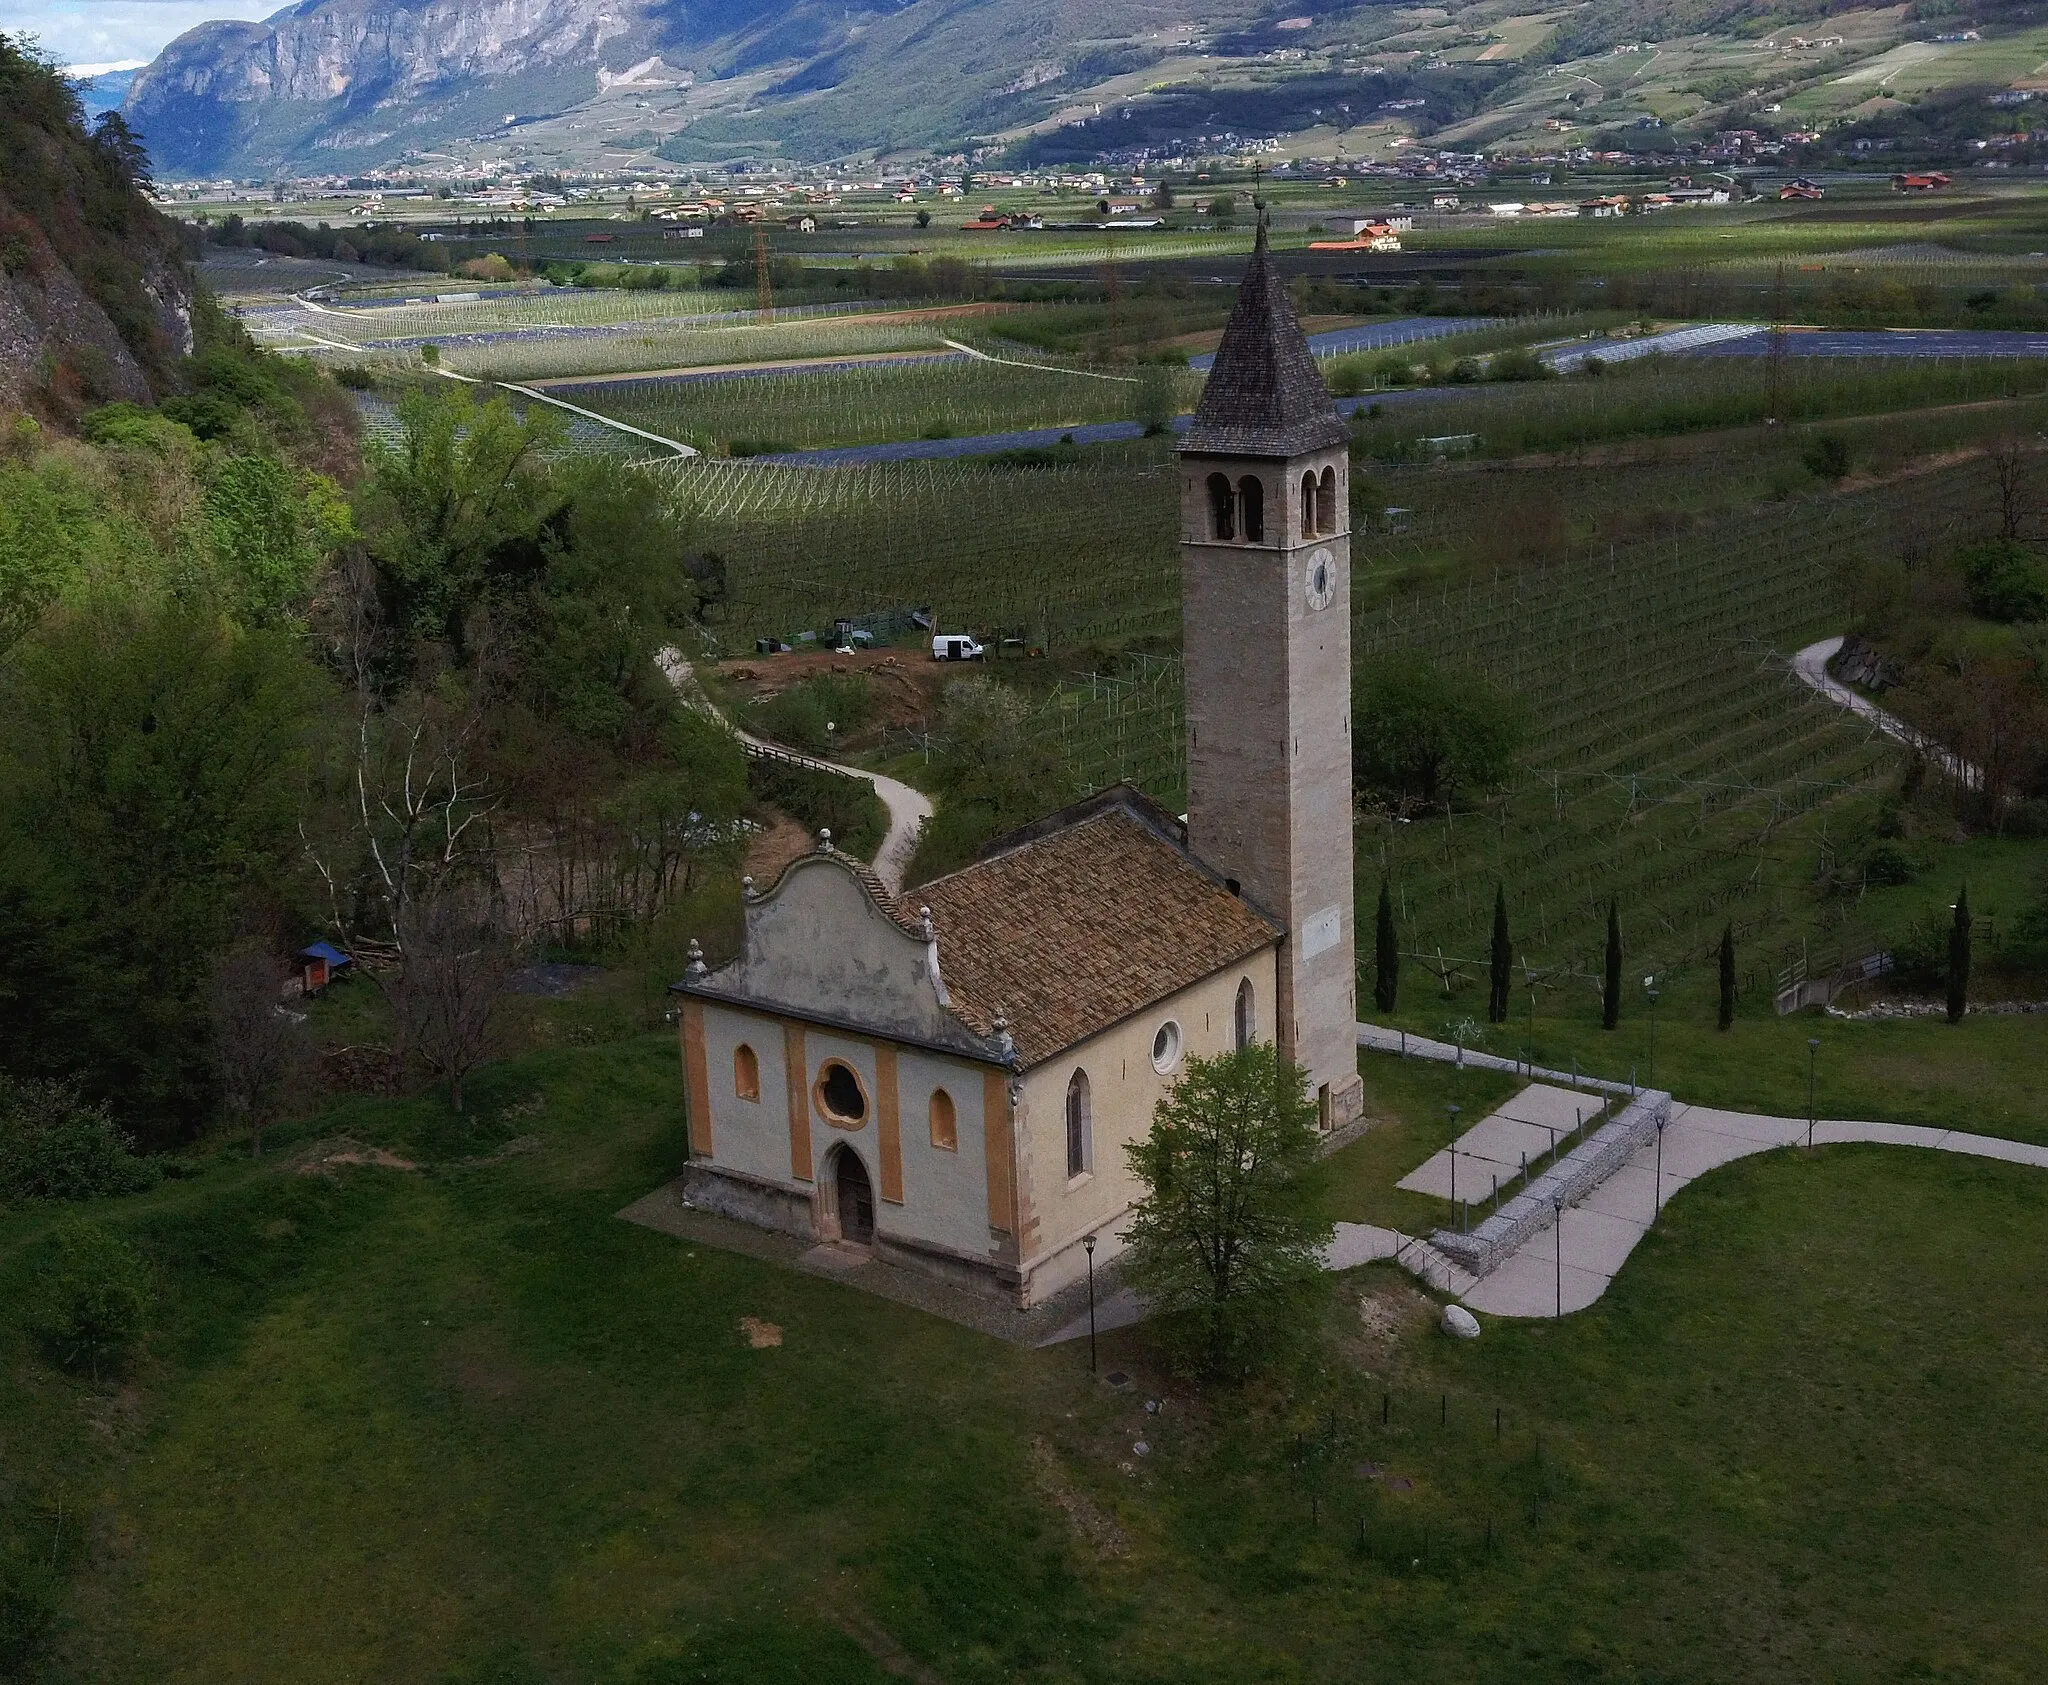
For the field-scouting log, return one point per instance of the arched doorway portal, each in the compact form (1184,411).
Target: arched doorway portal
(855,1197)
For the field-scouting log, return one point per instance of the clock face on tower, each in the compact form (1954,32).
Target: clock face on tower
(1321,578)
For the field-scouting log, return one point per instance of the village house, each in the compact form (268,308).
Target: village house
(950,1076)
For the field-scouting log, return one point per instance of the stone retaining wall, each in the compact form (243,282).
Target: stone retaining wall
(1566,1182)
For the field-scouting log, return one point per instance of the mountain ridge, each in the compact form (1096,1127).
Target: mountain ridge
(338,86)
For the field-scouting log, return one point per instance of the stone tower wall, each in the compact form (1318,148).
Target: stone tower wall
(1269,744)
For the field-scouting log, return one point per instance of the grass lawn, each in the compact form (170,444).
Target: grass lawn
(459,1424)
(1984,1075)
(1412,1097)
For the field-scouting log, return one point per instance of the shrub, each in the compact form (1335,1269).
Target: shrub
(1519,363)
(799,715)
(1920,954)
(1424,734)
(210,415)
(1888,863)
(2007,581)
(31,1597)
(132,426)
(847,807)
(1826,457)
(54,1146)
(93,1304)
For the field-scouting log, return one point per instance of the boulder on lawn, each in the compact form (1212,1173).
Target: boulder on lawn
(1461,1322)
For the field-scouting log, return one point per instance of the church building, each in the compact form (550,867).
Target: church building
(950,1076)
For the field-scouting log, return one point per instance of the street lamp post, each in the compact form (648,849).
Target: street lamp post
(1658,1203)
(1812,1054)
(1557,1251)
(1650,988)
(1088,1246)
(1454,1111)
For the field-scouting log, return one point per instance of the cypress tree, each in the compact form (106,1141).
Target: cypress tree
(1959,958)
(1610,993)
(1386,954)
(1728,974)
(1502,973)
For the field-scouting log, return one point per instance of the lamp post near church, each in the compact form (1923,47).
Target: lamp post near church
(1454,1110)
(1088,1246)
(1650,989)
(1812,1054)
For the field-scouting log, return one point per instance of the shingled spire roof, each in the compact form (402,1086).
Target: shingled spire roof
(1264,396)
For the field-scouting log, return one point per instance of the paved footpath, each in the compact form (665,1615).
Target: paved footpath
(1566,1268)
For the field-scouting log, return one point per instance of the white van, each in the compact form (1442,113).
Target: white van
(955,646)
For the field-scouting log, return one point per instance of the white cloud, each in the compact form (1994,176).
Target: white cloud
(104,32)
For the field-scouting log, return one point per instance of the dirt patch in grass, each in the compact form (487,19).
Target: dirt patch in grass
(1389,1311)
(339,1152)
(1091,1524)
(760,1335)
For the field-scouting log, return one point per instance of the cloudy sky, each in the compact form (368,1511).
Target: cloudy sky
(116,31)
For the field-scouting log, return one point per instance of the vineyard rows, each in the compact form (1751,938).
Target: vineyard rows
(1655,396)
(1673,764)
(1062,555)
(544,354)
(865,403)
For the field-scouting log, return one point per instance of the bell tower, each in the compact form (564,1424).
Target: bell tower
(1266,621)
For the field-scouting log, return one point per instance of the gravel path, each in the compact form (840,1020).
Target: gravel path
(1811,664)
(908,808)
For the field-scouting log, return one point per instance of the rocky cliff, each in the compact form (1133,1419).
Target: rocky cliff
(341,85)
(357,79)
(95,295)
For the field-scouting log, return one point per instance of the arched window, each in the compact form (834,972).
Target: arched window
(746,1073)
(840,1096)
(1251,502)
(1309,526)
(1247,1018)
(1080,1126)
(1326,503)
(945,1122)
(1222,508)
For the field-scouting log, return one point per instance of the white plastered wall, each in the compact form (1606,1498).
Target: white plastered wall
(1124,1088)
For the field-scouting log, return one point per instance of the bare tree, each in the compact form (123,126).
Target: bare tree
(2008,469)
(417,809)
(446,993)
(261,1052)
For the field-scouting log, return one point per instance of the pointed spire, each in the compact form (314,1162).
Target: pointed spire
(1264,396)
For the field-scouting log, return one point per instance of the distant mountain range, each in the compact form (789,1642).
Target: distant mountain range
(343,84)
(330,86)
(103,87)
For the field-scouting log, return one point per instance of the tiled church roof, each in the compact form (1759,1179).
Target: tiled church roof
(1073,924)
(1264,396)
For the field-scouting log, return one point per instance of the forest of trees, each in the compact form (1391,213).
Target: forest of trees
(260,684)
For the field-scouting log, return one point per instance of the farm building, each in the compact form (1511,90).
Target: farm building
(950,1076)
(319,965)
(1371,237)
